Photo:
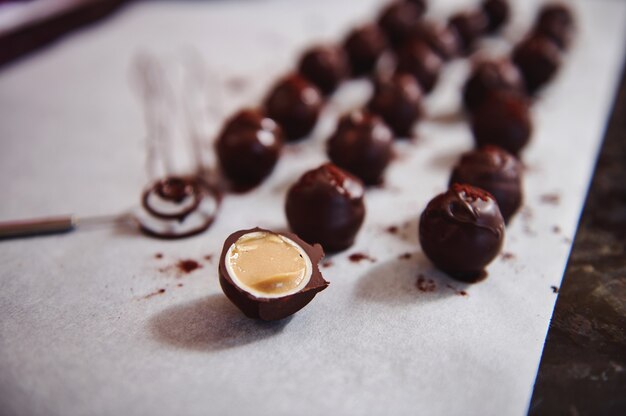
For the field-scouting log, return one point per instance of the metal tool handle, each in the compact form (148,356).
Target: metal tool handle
(49,225)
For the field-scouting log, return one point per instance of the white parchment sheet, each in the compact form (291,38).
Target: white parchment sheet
(78,333)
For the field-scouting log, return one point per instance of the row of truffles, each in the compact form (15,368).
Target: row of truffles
(271,275)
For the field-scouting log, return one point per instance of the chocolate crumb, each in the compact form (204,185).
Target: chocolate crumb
(392,229)
(405,256)
(158,256)
(506,256)
(158,292)
(188,266)
(358,257)
(424,284)
(556,229)
(457,291)
(208,257)
(554,289)
(180,285)
(552,199)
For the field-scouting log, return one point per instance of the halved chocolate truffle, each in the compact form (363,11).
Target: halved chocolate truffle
(362,145)
(443,41)
(497,13)
(295,104)
(497,172)
(469,25)
(503,120)
(326,206)
(398,19)
(364,47)
(538,59)
(398,100)
(269,275)
(488,76)
(461,231)
(249,147)
(325,66)
(417,58)
(556,21)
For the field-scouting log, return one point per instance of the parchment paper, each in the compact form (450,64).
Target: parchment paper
(79,332)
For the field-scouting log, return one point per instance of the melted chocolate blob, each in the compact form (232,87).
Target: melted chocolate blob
(538,59)
(295,104)
(326,206)
(489,76)
(398,19)
(503,120)
(442,40)
(364,47)
(462,231)
(556,22)
(398,100)
(417,58)
(325,67)
(362,145)
(469,26)
(497,172)
(497,13)
(249,147)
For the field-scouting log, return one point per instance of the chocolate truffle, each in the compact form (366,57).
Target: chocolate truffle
(488,76)
(326,206)
(418,59)
(497,172)
(362,145)
(248,147)
(469,26)
(503,120)
(538,59)
(269,275)
(497,13)
(364,47)
(325,66)
(461,231)
(398,100)
(295,104)
(556,22)
(398,19)
(442,40)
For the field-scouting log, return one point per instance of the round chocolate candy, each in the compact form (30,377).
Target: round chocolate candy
(249,147)
(362,145)
(442,40)
(469,26)
(497,13)
(325,66)
(398,100)
(556,22)
(326,206)
(461,231)
(538,59)
(497,172)
(295,104)
(270,275)
(503,120)
(364,47)
(488,76)
(417,58)
(398,19)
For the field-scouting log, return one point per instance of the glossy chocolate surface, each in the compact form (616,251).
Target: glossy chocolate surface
(461,231)
(364,47)
(488,76)
(362,145)
(249,147)
(503,120)
(538,59)
(398,19)
(417,58)
(442,40)
(556,22)
(295,104)
(497,13)
(324,66)
(271,309)
(326,206)
(494,170)
(469,26)
(398,100)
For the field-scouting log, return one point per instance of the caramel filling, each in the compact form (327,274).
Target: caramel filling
(268,264)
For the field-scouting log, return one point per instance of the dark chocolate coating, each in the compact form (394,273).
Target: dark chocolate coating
(398,19)
(503,120)
(326,206)
(249,147)
(469,26)
(538,59)
(490,76)
(362,145)
(461,231)
(325,66)
(494,170)
(417,58)
(272,309)
(556,22)
(497,13)
(364,47)
(398,100)
(442,40)
(295,104)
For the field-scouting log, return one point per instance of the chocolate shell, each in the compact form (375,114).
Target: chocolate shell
(469,25)
(417,58)
(497,13)
(398,19)
(325,66)
(488,76)
(556,21)
(364,47)
(442,40)
(398,100)
(538,59)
